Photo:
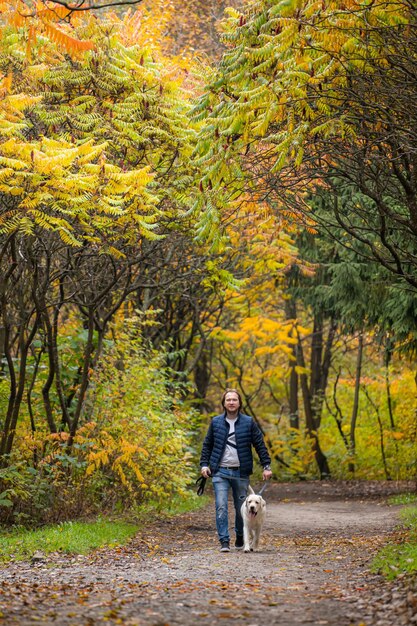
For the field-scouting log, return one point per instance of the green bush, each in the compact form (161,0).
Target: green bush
(400,558)
(136,444)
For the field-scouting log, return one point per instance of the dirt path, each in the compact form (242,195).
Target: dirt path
(312,568)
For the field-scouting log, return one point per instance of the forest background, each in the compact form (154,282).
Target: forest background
(190,203)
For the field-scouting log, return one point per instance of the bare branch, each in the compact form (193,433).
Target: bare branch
(85,5)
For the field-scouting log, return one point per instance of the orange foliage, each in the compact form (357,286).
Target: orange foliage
(43,18)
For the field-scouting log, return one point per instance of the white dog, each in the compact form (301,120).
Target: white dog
(253,512)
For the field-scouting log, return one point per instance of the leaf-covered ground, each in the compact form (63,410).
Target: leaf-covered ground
(312,568)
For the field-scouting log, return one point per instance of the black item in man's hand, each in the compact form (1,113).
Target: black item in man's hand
(201,482)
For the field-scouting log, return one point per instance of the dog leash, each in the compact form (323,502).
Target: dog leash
(201,482)
(262,488)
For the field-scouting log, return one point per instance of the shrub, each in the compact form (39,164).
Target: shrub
(136,444)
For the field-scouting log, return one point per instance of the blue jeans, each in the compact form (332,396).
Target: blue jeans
(223,481)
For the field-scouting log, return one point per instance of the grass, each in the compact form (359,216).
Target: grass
(83,537)
(403,498)
(68,537)
(176,506)
(397,559)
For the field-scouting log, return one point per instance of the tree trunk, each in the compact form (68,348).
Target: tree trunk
(293,396)
(321,356)
(355,408)
(88,351)
(12,392)
(51,374)
(9,433)
(387,360)
(294,417)
(202,379)
(325,366)
(2,351)
(320,458)
(316,357)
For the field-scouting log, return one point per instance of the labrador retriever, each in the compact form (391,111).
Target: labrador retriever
(253,513)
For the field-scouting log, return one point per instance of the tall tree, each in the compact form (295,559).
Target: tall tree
(94,172)
(316,94)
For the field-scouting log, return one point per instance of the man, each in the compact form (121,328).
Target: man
(227,456)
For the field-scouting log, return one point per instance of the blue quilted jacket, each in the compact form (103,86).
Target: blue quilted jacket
(248,434)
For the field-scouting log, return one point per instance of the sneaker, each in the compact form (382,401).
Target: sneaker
(225,547)
(239,541)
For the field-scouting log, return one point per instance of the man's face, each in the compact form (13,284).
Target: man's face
(231,402)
